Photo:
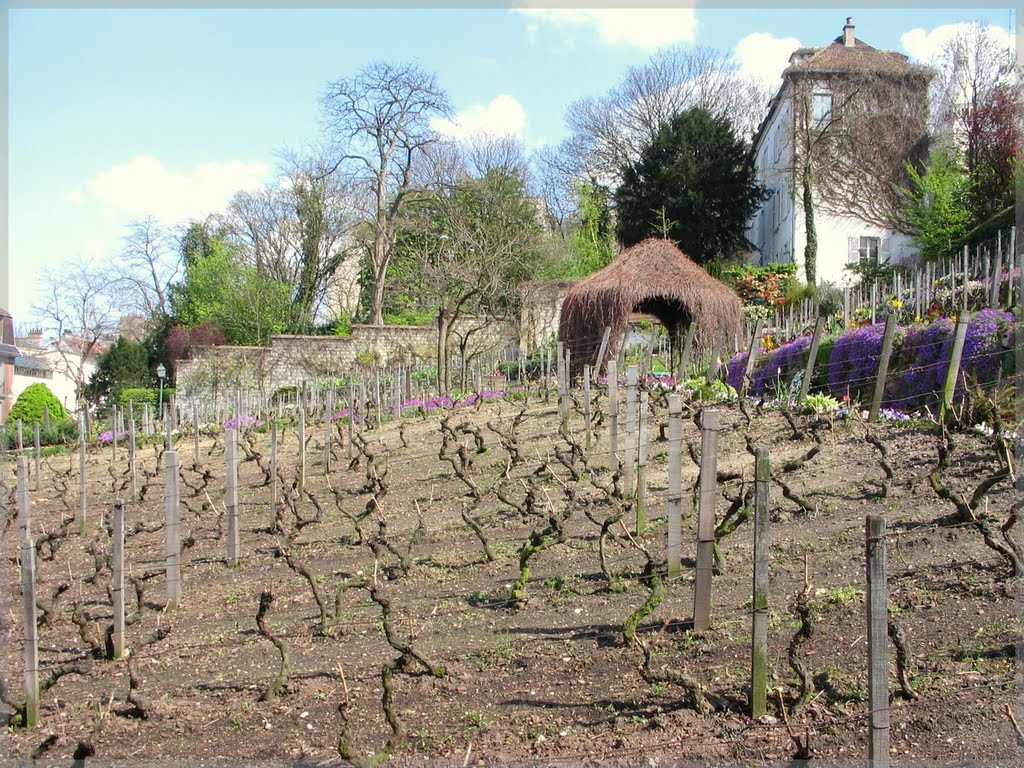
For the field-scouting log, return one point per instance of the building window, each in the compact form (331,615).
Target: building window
(868,251)
(821,109)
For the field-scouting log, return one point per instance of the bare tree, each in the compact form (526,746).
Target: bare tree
(379,120)
(608,132)
(82,310)
(297,231)
(977,104)
(472,241)
(150,262)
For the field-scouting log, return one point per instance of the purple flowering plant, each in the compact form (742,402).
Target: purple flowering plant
(107,437)
(242,422)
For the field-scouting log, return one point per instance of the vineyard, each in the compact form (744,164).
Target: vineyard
(475,583)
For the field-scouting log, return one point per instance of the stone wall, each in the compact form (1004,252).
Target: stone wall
(541,310)
(215,374)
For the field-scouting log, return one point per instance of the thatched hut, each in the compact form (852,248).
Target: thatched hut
(654,278)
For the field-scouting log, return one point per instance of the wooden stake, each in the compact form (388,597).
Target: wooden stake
(812,357)
(641,467)
(675,485)
(231,493)
(172,531)
(953,372)
(630,450)
(878,656)
(28,593)
(759,631)
(755,343)
(117,578)
(706,518)
(883,366)
(83,503)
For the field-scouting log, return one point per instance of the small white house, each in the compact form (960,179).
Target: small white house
(824,92)
(59,363)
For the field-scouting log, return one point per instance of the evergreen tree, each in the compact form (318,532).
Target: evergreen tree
(693,184)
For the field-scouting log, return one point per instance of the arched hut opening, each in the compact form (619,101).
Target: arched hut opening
(654,278)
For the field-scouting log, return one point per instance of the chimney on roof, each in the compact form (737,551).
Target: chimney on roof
(848,39)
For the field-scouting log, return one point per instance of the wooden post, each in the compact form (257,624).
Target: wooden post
(953,372)
(231,492)
(687,351)
(755,343)
(274,482)
(113,433)
(630,449)
(195,432)
(28,592)
(172,530)
(563,395)
(675,485)
(328,412)
(641,467)
(709,422)
(83,503)
(302,452)
(997,273)
(376,396)
(38,455)
(21,435)
(966,273)
(364,418)
(117,578)
(812,357)
(133,478)
(883,366)
(759,632)
(613,412)
(588,437)
(878,656)
(351,419)
(600,352)
(716,352)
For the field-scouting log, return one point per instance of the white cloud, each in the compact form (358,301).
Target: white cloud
(503,116)
(647,28)
(144,186)
(926,45)
(763,56)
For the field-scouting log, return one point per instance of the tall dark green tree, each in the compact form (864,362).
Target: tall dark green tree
(694,183)
(125,363)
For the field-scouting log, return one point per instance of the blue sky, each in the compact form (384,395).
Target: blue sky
(116,114)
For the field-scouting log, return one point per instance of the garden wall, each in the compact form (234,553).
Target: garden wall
(216,373)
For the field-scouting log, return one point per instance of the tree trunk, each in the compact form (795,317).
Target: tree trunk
(811,245)
(444,324)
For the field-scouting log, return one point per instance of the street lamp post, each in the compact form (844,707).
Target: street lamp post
(160,373)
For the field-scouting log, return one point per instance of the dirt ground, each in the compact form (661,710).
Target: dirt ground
(417,645)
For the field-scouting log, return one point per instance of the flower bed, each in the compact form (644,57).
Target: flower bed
(917,368)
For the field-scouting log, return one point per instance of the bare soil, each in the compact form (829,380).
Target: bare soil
(478,671)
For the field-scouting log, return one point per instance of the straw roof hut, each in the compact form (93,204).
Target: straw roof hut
(652,277)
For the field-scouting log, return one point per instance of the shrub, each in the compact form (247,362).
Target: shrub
(33,402)
(761,285)
(139,396)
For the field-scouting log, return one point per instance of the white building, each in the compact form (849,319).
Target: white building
(56,363)
(830,101)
